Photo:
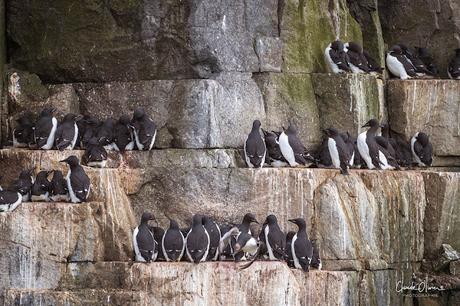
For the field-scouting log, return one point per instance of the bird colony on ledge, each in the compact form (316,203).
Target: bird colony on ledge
(205,240)
(85,132)
(401,61)
(75,187)
(338,150)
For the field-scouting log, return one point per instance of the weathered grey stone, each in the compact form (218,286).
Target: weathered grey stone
(165,283)
(353,218)
(27,93)
(188,113)
(431,24)
(431,106)
(137,40)
(37,237)
(445,255)
(116,220)
(269,50)
(367,15)
(307,27)
(290,97)
(348,101)
(454,267)
(442,213)
(78,298)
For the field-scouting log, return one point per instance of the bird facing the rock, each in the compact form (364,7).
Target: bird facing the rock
(45,129)
(78,183)
(254,147)
(144,130)
(143,240)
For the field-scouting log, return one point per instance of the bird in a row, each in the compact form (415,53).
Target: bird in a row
(405,63)
(76,131)
(402,61)
(350,57)
(205,240)
(338,150)
(75,187)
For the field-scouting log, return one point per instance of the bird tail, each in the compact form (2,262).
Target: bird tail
(62,145)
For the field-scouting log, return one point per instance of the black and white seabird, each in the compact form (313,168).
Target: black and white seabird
(67,133)
(422,150)
(420,68)
(397,147)
(338,150)
(197,241)
(386,147)
(423,54)
(454,66)
(78,183)
(81,122)
(213,230)
(95,154)
(274,238)
(350,142)
(41,187)
(24,184)
(45,129)
(9,200)
(228,233)
(144,130)
(316,259)
(59,192)
(372,63)
(173,243)
(158,234)
(23,134)
(273,156)
(301,246)
(336,57)
(322,154)
(105,134)
(369,149)
(254,147)
(244,227)
(292,148)
(289,258)
(123,136)
(91,128)
(246,245)
(398,64)
(358,62)
(143,240)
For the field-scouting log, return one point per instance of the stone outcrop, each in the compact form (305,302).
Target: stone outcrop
(346,102)
(204,70)
(138,40)
(431,106)
(350,216)
(431,24)
(165,283)
(188,113)
(27,93)
(442,219)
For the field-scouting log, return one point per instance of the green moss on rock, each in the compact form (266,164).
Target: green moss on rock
(347,101)
(290,96)
(308,27)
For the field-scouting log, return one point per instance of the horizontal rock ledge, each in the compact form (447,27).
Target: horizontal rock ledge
(386,209)
(160,283)
(430,106)
(176,158)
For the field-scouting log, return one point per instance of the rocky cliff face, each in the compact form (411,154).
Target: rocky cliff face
(204,70)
